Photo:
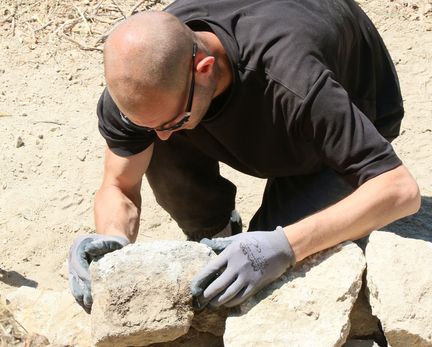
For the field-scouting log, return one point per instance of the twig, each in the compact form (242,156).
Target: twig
(7,19)
(11,16)
(25,330)
(32,31)
(96,32)
(67,26)
(26,9)
(104,36)
(13,26)
(36,17)
(136,7)
(101,40)
(84,19)
(47,122)
(149,6)
(121,11)
(98,19)
(97,7)
(44,26)
(80,45)
(110,8)
(52,9)
(4,330)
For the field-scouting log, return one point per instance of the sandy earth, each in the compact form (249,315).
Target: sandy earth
(51,153)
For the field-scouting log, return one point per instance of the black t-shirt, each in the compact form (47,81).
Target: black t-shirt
(313,86)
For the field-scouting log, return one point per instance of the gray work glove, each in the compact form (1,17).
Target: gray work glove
(248,262)
(83,251)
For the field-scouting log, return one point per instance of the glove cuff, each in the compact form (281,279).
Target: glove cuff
(124,241)
(285,246)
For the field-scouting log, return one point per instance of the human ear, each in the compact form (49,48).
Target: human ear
(205,65)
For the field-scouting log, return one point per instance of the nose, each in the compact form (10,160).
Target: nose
(164,135)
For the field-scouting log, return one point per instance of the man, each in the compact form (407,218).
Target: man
(302,93)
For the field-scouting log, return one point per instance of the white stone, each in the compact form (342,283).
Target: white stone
(141,293)
(399,281)
(309,306)
(53,314)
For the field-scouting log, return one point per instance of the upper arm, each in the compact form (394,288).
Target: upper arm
(342,135)
(126,173)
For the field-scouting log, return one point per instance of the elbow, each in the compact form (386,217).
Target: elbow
(409,195)
(415,199)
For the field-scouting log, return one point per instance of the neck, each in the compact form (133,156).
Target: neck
(213,44)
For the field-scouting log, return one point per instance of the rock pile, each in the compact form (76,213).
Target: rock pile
(142,298)
(309,306)
(399,284)
(141,294)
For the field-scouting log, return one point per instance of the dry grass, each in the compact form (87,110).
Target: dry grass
(85,23)
(12,333)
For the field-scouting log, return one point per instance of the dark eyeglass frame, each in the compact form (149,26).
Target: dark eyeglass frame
(187,112)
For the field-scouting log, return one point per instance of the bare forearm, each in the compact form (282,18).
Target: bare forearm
(376,203)
(116,213)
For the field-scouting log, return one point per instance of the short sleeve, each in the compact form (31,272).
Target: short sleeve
(120,138)
(342,135)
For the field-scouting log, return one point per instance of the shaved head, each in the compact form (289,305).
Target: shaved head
(146,56)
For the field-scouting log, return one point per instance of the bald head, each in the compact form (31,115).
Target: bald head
(146,55)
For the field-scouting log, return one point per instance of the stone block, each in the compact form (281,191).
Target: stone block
(399,282)
(308,306)
(53,314)
(141,293)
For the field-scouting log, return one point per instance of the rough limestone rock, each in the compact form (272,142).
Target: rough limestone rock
(141,292)
(308,306)
(399,280)
(53,314)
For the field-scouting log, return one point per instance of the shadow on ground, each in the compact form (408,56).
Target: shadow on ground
(418,226)
(15,279)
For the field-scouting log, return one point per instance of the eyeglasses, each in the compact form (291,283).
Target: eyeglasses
(168,126)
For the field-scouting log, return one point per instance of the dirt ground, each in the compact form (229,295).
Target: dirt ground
(51,153)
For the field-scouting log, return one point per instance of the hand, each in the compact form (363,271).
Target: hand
(248,262)
(83,251)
